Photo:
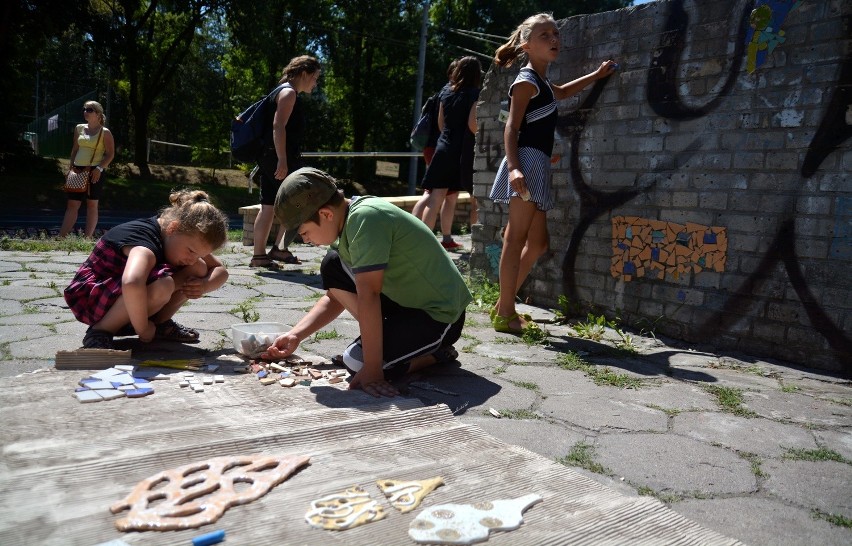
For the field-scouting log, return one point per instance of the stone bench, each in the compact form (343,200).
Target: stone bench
(405,202)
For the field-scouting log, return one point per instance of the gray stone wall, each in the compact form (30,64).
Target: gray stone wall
(704,188)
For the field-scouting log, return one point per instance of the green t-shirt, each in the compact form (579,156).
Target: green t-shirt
(418,273)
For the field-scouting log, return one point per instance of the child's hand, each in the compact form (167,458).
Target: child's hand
(148,334)
(284,346)
(606,68)
(194,287)
(372,383)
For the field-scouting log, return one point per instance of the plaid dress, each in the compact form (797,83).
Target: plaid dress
(97,283)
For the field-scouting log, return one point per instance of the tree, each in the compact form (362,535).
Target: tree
(148,42)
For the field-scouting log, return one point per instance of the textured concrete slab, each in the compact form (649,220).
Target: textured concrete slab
(758,436)
(798,408)
(673,464)
(820,485)
(758,520)
(593,412)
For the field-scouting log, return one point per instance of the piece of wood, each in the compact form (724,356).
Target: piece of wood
(91,359)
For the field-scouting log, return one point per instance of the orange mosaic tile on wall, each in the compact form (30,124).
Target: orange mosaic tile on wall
(655,248)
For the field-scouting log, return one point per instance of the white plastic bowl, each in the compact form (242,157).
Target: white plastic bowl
(256,335)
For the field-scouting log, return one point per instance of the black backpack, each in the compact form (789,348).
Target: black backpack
(250,129)
(427,125)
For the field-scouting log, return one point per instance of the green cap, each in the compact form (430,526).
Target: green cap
(301,195)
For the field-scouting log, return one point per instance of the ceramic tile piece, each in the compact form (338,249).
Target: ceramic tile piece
(111,394)
(268,380)
(107,374)
(126,368)
(88,396)
(207,381)
(469,523)
(219,378)
(98,385)
(142,383)
(210,368)
(197,388)
(287,382)
(124,378)
(345,510)
(405,496)
(262,373)
(126,387)
(138,393)
(183,383)
(174,499)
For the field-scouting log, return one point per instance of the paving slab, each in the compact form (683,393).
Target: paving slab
(727,474)
(674,464)
(748,435)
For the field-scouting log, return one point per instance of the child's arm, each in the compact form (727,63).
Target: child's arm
(324,311)
(212,275)
(571,88)
(371,378)
(134,288)
(522,92)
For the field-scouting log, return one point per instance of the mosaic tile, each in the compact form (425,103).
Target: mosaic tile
(88,396)
(657,249)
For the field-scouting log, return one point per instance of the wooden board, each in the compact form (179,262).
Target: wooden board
(64,464)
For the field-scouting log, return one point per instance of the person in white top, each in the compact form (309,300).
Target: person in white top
(93,150)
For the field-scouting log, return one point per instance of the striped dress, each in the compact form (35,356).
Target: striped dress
(535,145)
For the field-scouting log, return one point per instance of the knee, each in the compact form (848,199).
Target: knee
(161,290)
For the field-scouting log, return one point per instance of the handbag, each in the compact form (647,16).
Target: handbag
(77,179)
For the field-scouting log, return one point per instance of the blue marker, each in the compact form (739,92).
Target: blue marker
(210,538)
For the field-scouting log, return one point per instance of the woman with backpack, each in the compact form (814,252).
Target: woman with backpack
(451,169)
(282,157)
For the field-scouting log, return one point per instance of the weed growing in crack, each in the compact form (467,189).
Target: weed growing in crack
(730,399)
(247,311)
(581,456)
(821,454)
(326,334)
(519,414)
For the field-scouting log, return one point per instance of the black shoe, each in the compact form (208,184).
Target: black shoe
(446,354)
(97,339)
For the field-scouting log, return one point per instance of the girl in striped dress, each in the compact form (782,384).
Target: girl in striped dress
(523,179)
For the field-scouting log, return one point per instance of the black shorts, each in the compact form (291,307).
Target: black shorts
(93,193)
(268,183)
(406,332)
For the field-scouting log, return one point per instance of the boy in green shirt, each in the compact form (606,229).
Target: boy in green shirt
(387,269)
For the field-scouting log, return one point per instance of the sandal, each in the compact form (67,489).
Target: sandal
(504,324)
(283,256)
(174,331)
(262,260)
(97,339)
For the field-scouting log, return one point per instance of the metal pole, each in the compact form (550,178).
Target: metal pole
(418,96)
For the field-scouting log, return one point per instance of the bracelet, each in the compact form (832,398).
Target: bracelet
(98,167)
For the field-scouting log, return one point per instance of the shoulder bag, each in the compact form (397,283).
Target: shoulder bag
(77,179)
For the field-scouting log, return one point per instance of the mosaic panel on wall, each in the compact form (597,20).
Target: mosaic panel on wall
(655,248)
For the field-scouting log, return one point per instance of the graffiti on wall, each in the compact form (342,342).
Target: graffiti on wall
(653,248)
(663,97)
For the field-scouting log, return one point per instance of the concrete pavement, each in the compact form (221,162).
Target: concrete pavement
(757,450)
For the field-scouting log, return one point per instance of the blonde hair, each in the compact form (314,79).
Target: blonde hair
(98,108)
(197,216)
(510,51)
(299,65)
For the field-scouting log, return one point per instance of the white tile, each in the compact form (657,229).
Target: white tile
(98,385)
(125,367)
(198,388)
(207,380)
(219,378)
(88,396)
(111,394)
(107,374)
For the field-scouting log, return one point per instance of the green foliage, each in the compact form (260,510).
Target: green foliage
(71,243)
(581,455)
(519,414)
(326,334)
(594,327)
(821,454)
(837,520)
(730,399)
(485,293)
(601,376)
(533,334)
(246,310)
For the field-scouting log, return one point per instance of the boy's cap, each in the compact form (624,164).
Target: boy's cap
(301,194)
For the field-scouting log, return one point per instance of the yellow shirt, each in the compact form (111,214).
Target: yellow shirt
(86,152)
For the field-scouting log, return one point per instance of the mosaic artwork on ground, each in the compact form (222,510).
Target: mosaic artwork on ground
(655,248)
